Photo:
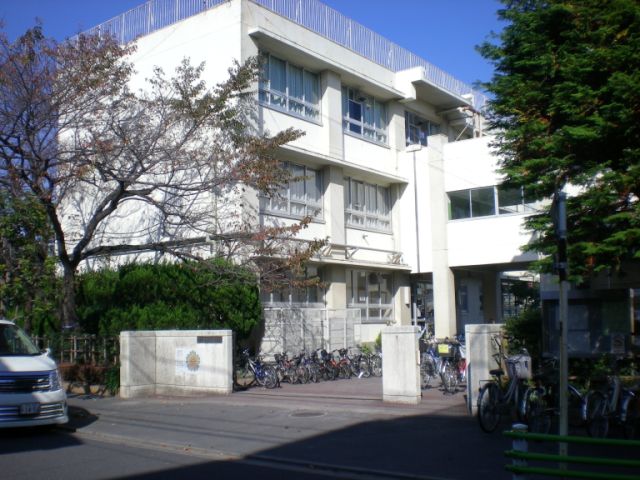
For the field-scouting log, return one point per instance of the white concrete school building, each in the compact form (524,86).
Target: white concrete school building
(399,172)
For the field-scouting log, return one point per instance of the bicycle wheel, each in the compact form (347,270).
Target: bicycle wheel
(597,416)
(536,413)
(242,378)
(376,366)
(631,411)
(489,407)
(269,378)
(365,370)
(576,408)
(427,369)
(303,374)
(449,378)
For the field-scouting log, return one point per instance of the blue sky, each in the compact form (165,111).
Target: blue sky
(444,32)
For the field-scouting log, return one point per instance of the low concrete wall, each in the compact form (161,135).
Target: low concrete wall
(176,362)
(400,365)
(480,351)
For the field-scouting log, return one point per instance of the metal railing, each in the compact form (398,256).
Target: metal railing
(151,16)
(311,14)
(622,467)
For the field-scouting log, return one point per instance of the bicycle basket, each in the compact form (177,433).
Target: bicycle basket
(445,350)
(520,366)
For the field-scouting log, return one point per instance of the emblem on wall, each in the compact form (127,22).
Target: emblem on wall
(192,361)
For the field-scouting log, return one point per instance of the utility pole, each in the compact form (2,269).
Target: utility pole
(559,215)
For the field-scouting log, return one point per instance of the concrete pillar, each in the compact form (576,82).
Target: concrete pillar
(334,204)
(480,351)
(331,108)
(402,299)
(492,297)
(336,294)
(443,280)
(400,365)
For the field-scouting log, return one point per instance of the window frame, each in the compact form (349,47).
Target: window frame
(372,218)
(368,107)
(281,204)
(367,307)
(455,197)
(299,107)
(413,120)
(293,296)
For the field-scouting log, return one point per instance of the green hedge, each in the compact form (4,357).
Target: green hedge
(169,296)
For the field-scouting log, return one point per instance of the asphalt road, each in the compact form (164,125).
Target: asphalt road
(333,429)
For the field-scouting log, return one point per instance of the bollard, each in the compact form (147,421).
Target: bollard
(519,445)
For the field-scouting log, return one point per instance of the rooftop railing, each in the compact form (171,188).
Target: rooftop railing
(311,14)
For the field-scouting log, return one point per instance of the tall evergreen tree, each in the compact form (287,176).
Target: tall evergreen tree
(566,109)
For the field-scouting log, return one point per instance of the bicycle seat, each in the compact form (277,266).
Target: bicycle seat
(496,372)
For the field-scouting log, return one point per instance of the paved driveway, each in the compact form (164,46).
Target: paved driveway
(341,429)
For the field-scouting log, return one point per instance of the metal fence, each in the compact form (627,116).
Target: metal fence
(297,329)
(82,349)
(151,16)
(311,14)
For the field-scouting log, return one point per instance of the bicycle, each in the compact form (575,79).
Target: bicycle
(496,399)
(252,371)
(454,366)
(541,400)
(616,405)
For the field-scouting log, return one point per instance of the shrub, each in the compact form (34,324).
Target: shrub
(526,330)
(169,296)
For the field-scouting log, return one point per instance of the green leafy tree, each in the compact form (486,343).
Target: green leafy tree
(163,171)
(566,111)
(28,283)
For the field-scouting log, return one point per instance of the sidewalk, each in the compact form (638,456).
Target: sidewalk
(340,427)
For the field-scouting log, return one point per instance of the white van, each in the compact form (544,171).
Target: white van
(31,392)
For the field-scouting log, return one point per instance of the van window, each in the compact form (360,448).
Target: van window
(13,341)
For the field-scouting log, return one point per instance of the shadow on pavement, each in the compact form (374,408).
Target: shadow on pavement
(424,446)
(16,440)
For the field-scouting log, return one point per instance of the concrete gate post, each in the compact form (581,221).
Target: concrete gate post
(480,351)
(400,365)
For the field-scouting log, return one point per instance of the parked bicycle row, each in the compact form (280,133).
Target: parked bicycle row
(443,360)
(306,367)
(533,399)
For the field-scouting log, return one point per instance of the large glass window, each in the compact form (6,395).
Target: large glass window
(482,202)
(363,115)
(512,200)
(290,88)
(487,201)
(372,293)
(300,197)
(417,129)
(367,205)
(312,296)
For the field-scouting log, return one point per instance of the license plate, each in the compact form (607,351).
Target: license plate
(29,409)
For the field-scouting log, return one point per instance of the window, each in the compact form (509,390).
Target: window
(371,292)
(477,202)
(364,116)
(308,296)
(367,205)
(512,200)
(290,88)
(301,197)
(488,201)
(417,129)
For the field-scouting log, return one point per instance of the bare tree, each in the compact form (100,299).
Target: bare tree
(170,169)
